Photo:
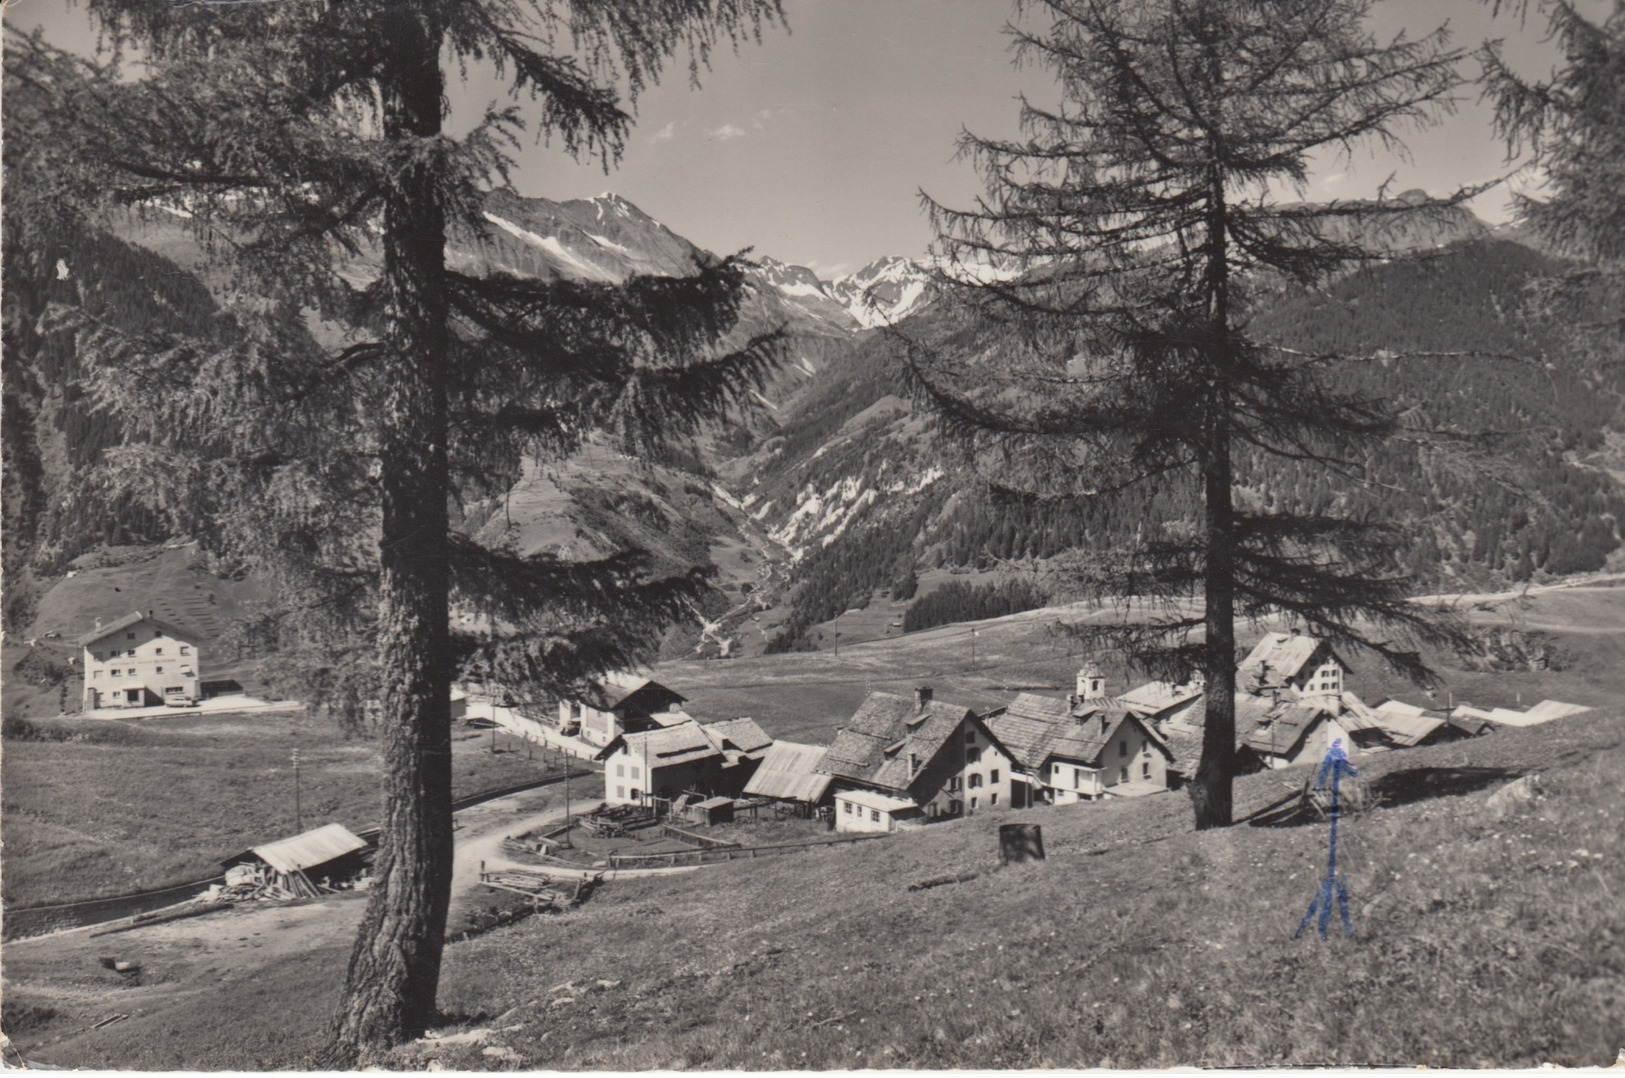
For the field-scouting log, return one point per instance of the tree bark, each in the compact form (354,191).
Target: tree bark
(394,972)
(1210,790)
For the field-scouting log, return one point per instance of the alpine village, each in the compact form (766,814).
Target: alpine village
(1139,584)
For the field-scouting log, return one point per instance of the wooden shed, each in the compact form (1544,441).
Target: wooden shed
(713,810)
(332,852)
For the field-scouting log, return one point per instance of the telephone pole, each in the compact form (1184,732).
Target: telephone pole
(298,815)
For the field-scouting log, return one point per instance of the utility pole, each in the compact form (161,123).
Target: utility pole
(973,633)
(298,814)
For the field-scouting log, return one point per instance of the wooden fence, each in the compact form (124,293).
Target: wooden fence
(715,855)
(704,842)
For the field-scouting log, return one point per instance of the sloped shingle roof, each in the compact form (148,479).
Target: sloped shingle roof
(1034,728)
(886,721)
(1155,697)
(789,771)
(1280,657)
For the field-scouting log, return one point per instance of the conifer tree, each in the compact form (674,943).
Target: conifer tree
(1106,283)
(1574,126)
(367,383)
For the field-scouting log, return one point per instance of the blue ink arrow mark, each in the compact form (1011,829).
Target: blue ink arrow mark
(1335,766)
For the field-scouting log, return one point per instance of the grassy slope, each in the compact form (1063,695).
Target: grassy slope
(142,804)
(1479,941)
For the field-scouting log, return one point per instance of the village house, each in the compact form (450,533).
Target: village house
(1291,666)
(651,767)
(629,704)
(139,661)
(902,761)
(1082,748)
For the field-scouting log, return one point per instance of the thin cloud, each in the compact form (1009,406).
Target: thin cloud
(665,134)
(728,131)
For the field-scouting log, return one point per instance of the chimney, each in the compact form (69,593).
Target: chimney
(97,627)
(922,696)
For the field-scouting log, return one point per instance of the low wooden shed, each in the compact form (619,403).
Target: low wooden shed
(332,852)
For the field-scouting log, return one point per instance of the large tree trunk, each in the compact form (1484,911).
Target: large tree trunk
(394,972)
(1210,790)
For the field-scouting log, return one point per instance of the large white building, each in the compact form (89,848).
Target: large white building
(139,661)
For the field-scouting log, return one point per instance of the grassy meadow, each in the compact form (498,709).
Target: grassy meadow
(1486,933)
(118,806)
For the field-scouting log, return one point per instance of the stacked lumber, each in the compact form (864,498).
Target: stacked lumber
(256,883)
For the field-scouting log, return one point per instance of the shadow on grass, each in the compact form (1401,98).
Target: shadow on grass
(1391,790)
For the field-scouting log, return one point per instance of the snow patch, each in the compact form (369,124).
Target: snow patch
(553,247)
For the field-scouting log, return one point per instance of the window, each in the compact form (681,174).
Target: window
(116,671)
(157,651)
(635,772)
(994,777)
(970,737)
(185,650)
(157,669)
(156,633)
(846,807)
(992,799)
(975,782)
(874,815)
(129,636)
(575,710)
(953,783)
(973,756)
(1145,770)
(1122,776)
(620,771)
(973,803)
(1122,748)
(620,791)
(931,810)
(130,654)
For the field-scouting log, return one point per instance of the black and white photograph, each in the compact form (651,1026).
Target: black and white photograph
(812,535)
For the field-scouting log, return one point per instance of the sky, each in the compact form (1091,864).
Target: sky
(812,146)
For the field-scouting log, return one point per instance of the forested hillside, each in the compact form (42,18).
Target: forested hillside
(1511,485)
(52,433)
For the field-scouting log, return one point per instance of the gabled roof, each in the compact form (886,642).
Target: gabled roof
(136,618)
(789,772)
(1279,657)
(886,721)
(1035,728)
(1408,730)
(622,690)
(686,741)
(1280,732)
(738,736)
(666,745)
(316,847)
(1155,697)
